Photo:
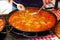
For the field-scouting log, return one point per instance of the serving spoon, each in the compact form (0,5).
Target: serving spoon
(38,11)
(19,6)
(41,9)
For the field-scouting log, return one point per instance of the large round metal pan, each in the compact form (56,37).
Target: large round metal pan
(21,32)
(3,19)
(56,29)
